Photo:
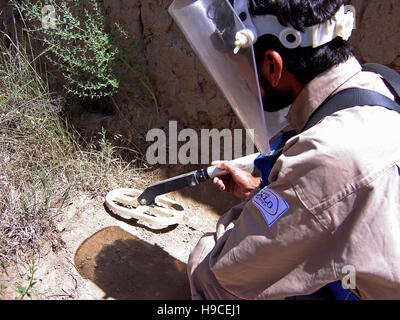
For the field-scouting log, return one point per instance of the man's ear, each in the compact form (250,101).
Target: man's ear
(272,67)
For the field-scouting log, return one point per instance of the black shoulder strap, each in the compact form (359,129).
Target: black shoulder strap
(350,98)
(390,76)
(359,97)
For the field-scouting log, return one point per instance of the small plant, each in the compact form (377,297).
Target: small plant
(107,151)
(2,289)
(26,291)
(128,59)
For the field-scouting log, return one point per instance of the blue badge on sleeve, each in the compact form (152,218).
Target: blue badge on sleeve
(271,205)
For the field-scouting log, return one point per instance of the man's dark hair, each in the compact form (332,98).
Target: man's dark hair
(305,63)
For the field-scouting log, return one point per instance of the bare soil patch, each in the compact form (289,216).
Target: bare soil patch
(103,256)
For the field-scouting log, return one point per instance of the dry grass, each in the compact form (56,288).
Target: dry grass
(42,165)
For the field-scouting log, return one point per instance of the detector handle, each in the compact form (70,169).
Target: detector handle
(245,163)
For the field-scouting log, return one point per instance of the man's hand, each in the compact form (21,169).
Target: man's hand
(238,182)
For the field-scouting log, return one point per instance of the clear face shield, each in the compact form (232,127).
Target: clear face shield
(223,35)
(210,26)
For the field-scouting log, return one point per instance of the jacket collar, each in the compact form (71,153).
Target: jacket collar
(318,90)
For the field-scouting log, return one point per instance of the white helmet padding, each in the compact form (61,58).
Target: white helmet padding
(341,25)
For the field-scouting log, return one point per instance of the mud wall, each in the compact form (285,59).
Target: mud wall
(185,91)
(184,88)
(182,85)
(377,38)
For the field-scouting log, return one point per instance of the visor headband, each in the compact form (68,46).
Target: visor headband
(341,25)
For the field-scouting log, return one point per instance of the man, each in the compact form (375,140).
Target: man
(329,208)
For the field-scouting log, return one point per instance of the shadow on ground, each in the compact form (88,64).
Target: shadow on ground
(127,268)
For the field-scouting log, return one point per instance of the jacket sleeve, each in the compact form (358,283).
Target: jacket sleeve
(293,256)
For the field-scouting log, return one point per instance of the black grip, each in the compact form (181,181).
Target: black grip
(172,184)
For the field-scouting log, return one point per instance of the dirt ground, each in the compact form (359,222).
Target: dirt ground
(103,256)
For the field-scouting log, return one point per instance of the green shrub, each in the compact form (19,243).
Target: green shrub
(78,46)
(86,54)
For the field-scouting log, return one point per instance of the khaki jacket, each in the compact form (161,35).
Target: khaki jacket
(337,186)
